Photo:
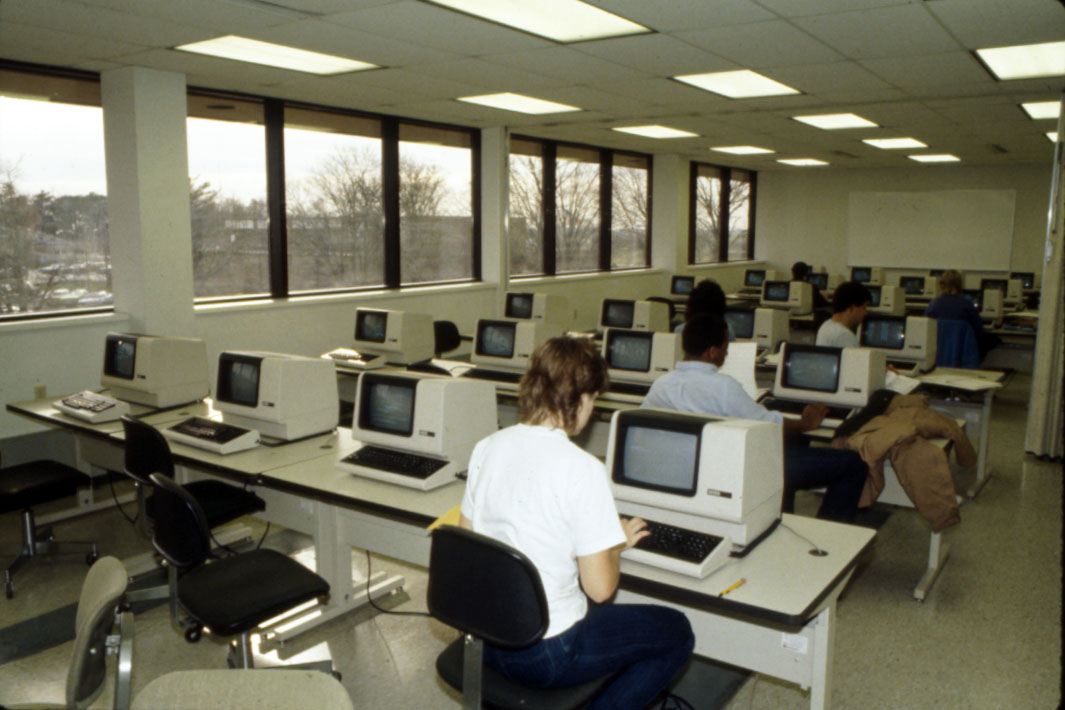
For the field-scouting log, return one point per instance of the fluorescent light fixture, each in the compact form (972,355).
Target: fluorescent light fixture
(1053,136)
(935,158)
(274,55)
(835,121)
(656,131)
(517,102)
(1025,61)
(741,84)
(802,162)
(894,143)
(1042,109)
(560,20)
(742,149)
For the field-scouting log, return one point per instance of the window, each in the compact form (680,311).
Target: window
(227,196)
(599,200)
(54,251)
(721,215)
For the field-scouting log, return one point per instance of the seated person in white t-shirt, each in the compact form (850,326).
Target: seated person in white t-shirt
(850,303)
(530,487)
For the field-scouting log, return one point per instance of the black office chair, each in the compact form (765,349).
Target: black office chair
(956,344)
(25,485)
(491,592)
(231,595)
(446,335)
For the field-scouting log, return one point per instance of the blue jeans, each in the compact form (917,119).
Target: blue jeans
(648,643)
(842,473)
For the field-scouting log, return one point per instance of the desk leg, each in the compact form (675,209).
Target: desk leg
(938,552)
(982,471)
(824,651)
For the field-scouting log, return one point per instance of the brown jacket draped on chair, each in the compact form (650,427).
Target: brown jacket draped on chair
(923,469)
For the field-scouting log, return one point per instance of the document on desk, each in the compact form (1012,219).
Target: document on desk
(900,383)
(740,365)
(961,382)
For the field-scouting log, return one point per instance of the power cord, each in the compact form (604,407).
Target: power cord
(114,495)
(816,551)
(369,598)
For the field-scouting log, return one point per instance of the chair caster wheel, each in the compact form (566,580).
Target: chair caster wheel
(193,635)
(9,590)
(90,559)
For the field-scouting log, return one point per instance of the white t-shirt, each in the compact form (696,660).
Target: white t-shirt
(835,334)
(533,489)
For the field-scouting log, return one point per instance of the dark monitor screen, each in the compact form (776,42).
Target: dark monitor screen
(740,322)
(819,281)
(120,355)
(658,451)
(938,273)
(681,285)
(884,332)
(809,367)
(777,291)
(861,274)
(238,379)
(386,404)
(912,285)
(629,350)
(1027,278)
(1000,284)
(754,277)
(519,305)
(495,338)
(371,326)
(874,295)
(975,297)
(617,314)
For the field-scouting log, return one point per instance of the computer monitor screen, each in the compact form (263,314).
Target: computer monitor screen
(740,322)
(912,285)
(1000,284)
(874,295)
(884,332)
(238,379)
(659,459)
(120,355)
(617,314)
(754,277)
(819,281)
(629,350)
(371,325)
(975,297)
(777,291)
(938,273)
(1027,278)
(861,274)
(387,404)
(519,305)
(496,338)
(681,285)
(812,368)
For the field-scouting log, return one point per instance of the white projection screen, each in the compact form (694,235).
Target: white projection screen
(955,229)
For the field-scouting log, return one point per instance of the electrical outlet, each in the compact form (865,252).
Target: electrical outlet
(40,391)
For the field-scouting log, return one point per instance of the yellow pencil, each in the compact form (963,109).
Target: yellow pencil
(734,586)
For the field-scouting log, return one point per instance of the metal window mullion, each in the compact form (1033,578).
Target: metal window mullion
(549,155)
(606,208)
(722,220)
(693,199)
(475,205)
(390,198)
(274,118)
(751,193)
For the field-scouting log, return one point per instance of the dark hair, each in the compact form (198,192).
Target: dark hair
(706,297)
(702,332)
(850,293)
(560,371)
(800,270)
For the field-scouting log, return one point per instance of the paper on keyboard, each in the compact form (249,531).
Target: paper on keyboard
(900,383)
(740,365)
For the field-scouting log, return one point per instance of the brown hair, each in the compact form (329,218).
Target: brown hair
(950,282)
(560,371)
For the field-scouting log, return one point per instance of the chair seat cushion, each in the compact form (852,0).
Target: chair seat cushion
(28,484)
(498,691)
(234,594)
(221,502)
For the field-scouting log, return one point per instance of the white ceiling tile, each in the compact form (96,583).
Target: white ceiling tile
(216,15)
(929,69)
(569,65)
(656,54)
(595,99)
(322,35)
(837,76)
(668,92)
(860,96)
(882,32)
(489,75)
(685,14)
(417,86)
(762,44)
(15,37)
(800,8)
(997,23)
(74,17)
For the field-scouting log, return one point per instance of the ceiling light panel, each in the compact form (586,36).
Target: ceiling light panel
(741,84)
(243,49)
(1053,136)
(655,131)
(835,121)
(935,158)
(742,149)
(517,102)
(894,143)
(1042,109)
(1025,61)
(802,162)
(560,20)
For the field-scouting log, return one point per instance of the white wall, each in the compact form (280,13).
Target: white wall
(803,214)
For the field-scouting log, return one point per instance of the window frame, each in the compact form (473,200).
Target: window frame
(725,177)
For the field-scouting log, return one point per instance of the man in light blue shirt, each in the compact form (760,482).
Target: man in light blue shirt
(695,385)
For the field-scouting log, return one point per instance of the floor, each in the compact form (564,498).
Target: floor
(988,636)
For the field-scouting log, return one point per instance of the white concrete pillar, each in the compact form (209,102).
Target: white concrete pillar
(669,214)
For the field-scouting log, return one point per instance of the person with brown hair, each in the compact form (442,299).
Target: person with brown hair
(951,305)
(530,487)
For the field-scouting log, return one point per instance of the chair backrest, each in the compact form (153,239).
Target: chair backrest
(181,534)
(447,336)
(101,592)
(485,588)
(956,344)
(146,451)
